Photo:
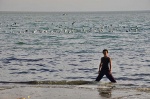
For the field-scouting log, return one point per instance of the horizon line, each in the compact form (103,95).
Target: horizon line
(83,11)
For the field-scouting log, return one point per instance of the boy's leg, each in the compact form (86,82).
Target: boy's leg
(100,76)
(110,77)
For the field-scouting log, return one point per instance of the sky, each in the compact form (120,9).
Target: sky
(74,5)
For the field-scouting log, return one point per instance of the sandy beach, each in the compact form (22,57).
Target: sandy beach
(18,91)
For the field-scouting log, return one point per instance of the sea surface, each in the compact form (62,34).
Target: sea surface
(57,46)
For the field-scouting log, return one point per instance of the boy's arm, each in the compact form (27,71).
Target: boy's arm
(110,64)
(100,66)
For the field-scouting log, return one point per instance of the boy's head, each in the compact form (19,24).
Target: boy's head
(105,51)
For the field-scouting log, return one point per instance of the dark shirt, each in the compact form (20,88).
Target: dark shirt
(105,61)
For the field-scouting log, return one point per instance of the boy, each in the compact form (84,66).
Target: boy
(104,68)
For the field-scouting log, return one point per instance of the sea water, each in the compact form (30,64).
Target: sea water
(56,46)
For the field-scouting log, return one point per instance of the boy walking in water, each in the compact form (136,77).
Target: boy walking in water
(105,67)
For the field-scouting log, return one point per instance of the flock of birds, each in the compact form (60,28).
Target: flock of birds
(74,27)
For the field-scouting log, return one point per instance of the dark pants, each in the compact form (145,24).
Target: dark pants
(108,75)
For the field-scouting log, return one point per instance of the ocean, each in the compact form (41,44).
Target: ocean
(57,46)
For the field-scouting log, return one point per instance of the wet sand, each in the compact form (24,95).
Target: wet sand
(70,92)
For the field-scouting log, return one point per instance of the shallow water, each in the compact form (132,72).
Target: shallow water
(58,46)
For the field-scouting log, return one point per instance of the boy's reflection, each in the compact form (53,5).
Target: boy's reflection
(105,92)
